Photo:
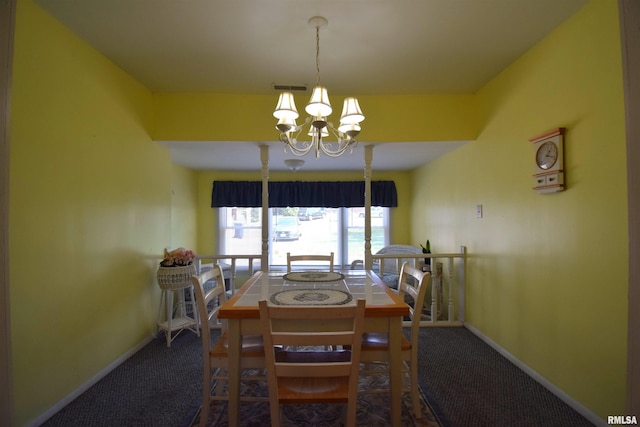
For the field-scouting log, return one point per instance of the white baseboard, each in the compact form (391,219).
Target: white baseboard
(84,387)
(582,410)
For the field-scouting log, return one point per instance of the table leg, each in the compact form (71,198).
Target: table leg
(395,369)
(234,371)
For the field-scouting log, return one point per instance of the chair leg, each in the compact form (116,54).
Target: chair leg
(206,403)
(415,398)
(351,414)
(275,414)
(206,396)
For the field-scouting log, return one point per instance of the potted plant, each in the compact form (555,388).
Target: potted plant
(426,249)
(176,269)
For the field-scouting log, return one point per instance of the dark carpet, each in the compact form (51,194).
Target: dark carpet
(467,383)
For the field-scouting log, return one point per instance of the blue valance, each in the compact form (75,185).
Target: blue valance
(318,194)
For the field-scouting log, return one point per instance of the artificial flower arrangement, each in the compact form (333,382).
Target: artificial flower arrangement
(177,258)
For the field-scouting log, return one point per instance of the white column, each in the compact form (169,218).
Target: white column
(264,158)
(368,156)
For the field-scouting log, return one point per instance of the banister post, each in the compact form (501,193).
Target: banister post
(462,284)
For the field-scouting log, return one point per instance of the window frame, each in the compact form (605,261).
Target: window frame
(343,228)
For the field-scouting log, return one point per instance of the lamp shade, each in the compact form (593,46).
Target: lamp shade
(351,112)
(319,105)
(286,108)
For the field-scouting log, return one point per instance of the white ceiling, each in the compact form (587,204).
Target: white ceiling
(246,156)
(369,47)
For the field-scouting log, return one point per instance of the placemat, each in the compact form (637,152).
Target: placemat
(313,276)
(311,297)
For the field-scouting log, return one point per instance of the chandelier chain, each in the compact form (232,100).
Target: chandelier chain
(317,55)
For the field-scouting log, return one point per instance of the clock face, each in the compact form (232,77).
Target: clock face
(547,155)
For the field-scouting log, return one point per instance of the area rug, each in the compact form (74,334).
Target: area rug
(373,410)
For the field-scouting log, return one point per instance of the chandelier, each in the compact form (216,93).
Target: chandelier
(318,108)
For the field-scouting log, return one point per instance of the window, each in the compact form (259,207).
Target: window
(303,230)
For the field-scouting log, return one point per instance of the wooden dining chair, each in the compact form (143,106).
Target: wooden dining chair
(299,258)
(299,374)
(412,287)
(210,295)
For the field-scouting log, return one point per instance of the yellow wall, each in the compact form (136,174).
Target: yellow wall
(207,218)
(184,212)
(94,200)
(224,117)
(91,209)
(547,274)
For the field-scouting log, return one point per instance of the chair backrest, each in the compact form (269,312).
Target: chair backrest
(414,283)
(298,258)
(301,326)
(209,301)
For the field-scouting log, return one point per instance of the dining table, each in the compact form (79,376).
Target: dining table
(384,313)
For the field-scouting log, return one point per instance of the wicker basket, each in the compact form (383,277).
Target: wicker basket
(176,277)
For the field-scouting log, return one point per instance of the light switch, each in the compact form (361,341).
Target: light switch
(479,211)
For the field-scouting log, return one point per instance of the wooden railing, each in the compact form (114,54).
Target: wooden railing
(448,283)
(229,264)
(448,279)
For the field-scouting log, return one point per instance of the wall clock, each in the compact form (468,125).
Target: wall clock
(548,174)
(547,155)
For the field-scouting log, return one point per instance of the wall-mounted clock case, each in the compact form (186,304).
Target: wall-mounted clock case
(548,161)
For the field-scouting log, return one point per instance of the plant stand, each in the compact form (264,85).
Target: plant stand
(170,319)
